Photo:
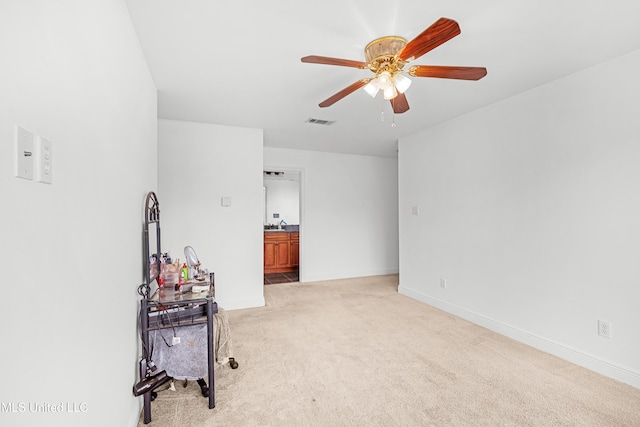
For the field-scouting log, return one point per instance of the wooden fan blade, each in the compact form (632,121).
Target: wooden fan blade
(314,59)
(400,104)
(439,32)
(344,92)
(445,72)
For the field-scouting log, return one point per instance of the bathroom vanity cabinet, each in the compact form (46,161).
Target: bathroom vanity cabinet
(281,251)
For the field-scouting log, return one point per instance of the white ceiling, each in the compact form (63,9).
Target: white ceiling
(237,63)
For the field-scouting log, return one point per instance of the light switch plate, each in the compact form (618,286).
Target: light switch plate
(24,153)
(44,161)
(225,201)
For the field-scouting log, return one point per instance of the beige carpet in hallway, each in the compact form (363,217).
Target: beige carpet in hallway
(356,353)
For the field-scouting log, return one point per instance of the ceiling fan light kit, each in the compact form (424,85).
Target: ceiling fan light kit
(387,56)
(381,59)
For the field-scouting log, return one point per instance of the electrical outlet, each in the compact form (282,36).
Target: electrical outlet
(443,282)
(604,328)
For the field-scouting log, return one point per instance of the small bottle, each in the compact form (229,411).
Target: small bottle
(185,272)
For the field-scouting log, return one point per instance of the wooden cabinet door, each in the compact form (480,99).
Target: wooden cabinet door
(283,254)
(270,255)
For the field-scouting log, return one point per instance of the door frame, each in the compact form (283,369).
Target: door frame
(301,207)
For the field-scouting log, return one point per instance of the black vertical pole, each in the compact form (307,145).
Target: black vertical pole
(210,352)
(144,325)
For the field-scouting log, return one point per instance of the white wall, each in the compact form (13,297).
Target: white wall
(349,223)
(198,164)
(529,208)
(73,72)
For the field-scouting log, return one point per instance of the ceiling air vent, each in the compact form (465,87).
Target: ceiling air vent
(320,121)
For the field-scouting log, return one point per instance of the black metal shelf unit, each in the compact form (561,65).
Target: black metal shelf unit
(167,308)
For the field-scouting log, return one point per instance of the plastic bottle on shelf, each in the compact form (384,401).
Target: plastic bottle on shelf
(185,272)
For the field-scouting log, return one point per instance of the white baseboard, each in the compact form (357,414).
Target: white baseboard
(329,275)
(572,355)
(239,304)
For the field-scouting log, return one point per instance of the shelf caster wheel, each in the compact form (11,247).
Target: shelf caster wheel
(185,383)
(203,387)
(153,395)
(233,363)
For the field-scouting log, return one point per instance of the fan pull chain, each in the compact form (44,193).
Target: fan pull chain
(393,120)
(382,116)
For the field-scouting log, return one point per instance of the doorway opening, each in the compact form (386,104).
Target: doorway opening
(282,215)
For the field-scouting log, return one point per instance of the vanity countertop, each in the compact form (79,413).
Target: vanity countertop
(287,229)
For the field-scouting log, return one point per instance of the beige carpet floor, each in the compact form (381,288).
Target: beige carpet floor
(356,353)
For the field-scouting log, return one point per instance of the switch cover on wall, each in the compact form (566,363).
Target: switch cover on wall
(44,161)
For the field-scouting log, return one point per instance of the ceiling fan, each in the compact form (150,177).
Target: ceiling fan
(386,58)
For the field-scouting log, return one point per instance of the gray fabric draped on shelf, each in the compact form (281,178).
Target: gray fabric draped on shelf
(188,359)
